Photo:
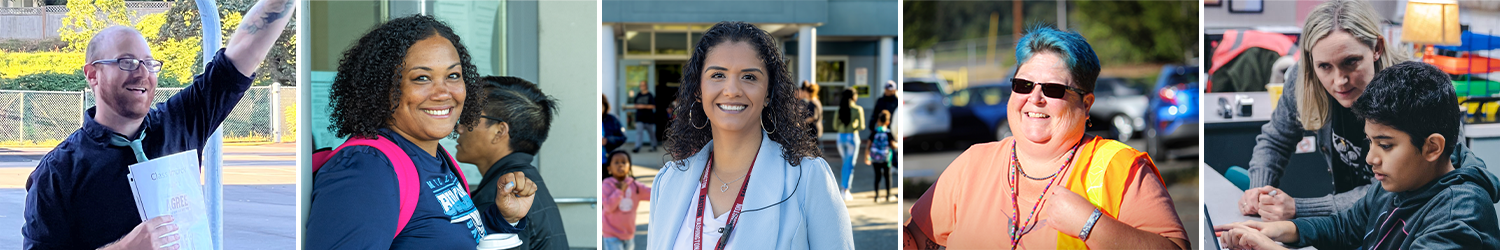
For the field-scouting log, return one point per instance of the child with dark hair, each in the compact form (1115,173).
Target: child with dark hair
(516,118)
(621,194)
(880,152)
(1424,202)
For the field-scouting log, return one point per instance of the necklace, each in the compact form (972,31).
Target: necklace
(734,212)
(725,187)
(1023,171)
(1018,230)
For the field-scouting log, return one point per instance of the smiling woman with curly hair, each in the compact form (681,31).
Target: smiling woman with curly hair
(400,89)
(744,172)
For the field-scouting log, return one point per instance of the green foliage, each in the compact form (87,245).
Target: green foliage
(83,20)
(150,25)
(47,82)
(280,64)
(930,22)
(18,64)
(1119,31)
(1141,31)
(174,36)
(32,45)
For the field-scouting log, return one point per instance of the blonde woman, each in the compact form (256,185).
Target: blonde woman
(1342,49)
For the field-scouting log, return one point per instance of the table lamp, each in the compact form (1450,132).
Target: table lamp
(1431,22)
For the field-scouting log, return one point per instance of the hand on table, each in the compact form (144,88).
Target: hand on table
(513,195)
(1250,235)
(1270,203)
(1250,200)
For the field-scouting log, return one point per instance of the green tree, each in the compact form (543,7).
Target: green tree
(930,22)
(1139,31)
(183,23)
(87,17)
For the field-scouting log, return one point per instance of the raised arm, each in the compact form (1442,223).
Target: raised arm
(258,33)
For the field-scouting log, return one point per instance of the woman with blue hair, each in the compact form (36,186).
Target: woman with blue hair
(1049,186)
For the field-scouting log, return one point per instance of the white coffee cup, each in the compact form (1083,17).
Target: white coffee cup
(499,242)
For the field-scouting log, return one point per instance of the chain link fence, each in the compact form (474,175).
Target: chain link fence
(45,118)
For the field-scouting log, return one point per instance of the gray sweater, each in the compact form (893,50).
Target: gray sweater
(1278,140)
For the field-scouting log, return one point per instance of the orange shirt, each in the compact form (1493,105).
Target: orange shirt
(970,205)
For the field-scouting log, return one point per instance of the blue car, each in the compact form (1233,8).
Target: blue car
(1173,113)
(979,112)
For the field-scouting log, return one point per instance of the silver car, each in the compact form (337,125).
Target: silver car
(923,112)
(1119,108)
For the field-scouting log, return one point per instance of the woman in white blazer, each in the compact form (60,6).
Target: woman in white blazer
(743,175)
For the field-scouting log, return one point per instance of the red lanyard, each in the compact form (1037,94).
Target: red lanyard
(734,214)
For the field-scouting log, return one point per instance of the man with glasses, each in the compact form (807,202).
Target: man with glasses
(79,197)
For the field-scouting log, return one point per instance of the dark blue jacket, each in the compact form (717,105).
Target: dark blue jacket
(544,229)
(1453,211)
(79,197)
(356,202)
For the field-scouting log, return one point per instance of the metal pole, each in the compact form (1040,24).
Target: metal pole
(213,158)
(275,113)
(21,130)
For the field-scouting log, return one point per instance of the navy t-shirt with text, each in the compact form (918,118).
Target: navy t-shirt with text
(356,202)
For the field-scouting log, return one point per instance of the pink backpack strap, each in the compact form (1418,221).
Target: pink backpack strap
(456,169)
(406,174)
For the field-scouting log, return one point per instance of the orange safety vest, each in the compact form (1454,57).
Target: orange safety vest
(1103,180)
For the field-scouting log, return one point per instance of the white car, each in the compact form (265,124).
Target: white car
(923,112)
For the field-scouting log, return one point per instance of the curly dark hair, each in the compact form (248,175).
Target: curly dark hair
(783,110)
(521,104)
(367,87)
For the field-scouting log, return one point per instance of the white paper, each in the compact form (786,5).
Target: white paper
(170,185)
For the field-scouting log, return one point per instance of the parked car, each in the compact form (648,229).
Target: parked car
(1173,113)
(979,111)
(923,111)
(1118,108)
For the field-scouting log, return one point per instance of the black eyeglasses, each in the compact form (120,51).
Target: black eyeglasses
(131,64)
(497,119)
(1050,90)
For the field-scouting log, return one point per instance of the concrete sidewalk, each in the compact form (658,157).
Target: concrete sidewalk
(875,224)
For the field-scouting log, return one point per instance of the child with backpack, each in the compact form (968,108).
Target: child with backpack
(880,151)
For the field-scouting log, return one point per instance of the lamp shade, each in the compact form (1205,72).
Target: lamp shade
(1431,22)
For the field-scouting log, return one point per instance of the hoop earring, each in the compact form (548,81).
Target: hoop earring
(690,117)
(763,126)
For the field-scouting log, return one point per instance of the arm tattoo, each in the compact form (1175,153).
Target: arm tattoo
(270,17)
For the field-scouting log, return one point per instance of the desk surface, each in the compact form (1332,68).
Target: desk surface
(1220,196)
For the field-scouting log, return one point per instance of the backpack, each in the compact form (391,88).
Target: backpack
(406,172)
(880,145)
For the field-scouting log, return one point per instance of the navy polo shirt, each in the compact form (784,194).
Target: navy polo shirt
(356,201)
(79,197)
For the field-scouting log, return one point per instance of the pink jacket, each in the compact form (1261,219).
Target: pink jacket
(620,224)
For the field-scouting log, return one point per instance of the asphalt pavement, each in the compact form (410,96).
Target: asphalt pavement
(259,195)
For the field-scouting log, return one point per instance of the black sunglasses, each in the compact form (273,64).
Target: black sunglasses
(497,119)
(1050,90)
